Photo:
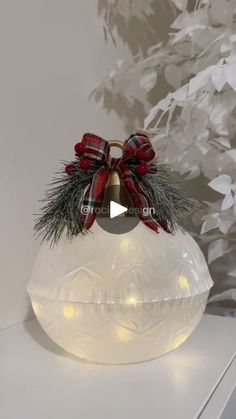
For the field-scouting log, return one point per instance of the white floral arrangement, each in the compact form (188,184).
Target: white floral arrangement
(194,125)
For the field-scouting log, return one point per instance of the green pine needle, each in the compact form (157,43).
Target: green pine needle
(63,200)
(168,201)
(62,204)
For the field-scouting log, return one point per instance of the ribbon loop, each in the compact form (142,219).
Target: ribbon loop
(96,147)
(99,149)
(135,142)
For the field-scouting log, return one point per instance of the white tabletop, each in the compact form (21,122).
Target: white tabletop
(38,380)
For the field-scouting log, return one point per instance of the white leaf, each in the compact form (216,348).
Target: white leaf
(148,80)
(233,38)
(232,154)
(182,21)
(226,46)
(209,164)
(229,294)
(218,78)
(217,249)
(218,118)
(202,141)
(152,115)
(181,4)
(195,172)
(209,224)
(231,76)
(221,184)
(224,225)
(169,119)
(228,202)
(164,104)
(181,93)
(189,21)
(232,273)
(200,80)
(173,75)
(186,33)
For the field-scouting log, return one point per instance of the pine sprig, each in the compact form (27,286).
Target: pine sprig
(63,200)
(167,199)
(62,204)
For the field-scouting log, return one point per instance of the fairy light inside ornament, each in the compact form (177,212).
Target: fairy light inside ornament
(117,298)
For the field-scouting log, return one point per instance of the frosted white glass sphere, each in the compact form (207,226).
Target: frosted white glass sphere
(120,298)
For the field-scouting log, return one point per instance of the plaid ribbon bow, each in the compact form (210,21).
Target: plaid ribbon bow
(96,148)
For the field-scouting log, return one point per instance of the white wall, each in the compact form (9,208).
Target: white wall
(52,52)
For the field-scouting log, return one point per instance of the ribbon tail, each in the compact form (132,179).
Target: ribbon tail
(93,198)
(139,198)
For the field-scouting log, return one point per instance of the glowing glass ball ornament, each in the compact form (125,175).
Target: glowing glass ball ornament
(116,298)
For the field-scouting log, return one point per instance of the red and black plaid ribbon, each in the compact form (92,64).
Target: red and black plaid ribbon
(99,149)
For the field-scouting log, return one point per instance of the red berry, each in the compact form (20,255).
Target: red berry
(141,169)
(129,152)
(69,169)
(85,164)
(149,155)
(140,155)
(80,148)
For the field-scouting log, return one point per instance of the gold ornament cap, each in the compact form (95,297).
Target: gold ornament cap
(115,190)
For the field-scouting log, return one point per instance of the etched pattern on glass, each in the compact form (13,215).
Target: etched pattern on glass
(120,298)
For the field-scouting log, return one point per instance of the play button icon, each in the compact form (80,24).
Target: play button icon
(116,209)
(108,216)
